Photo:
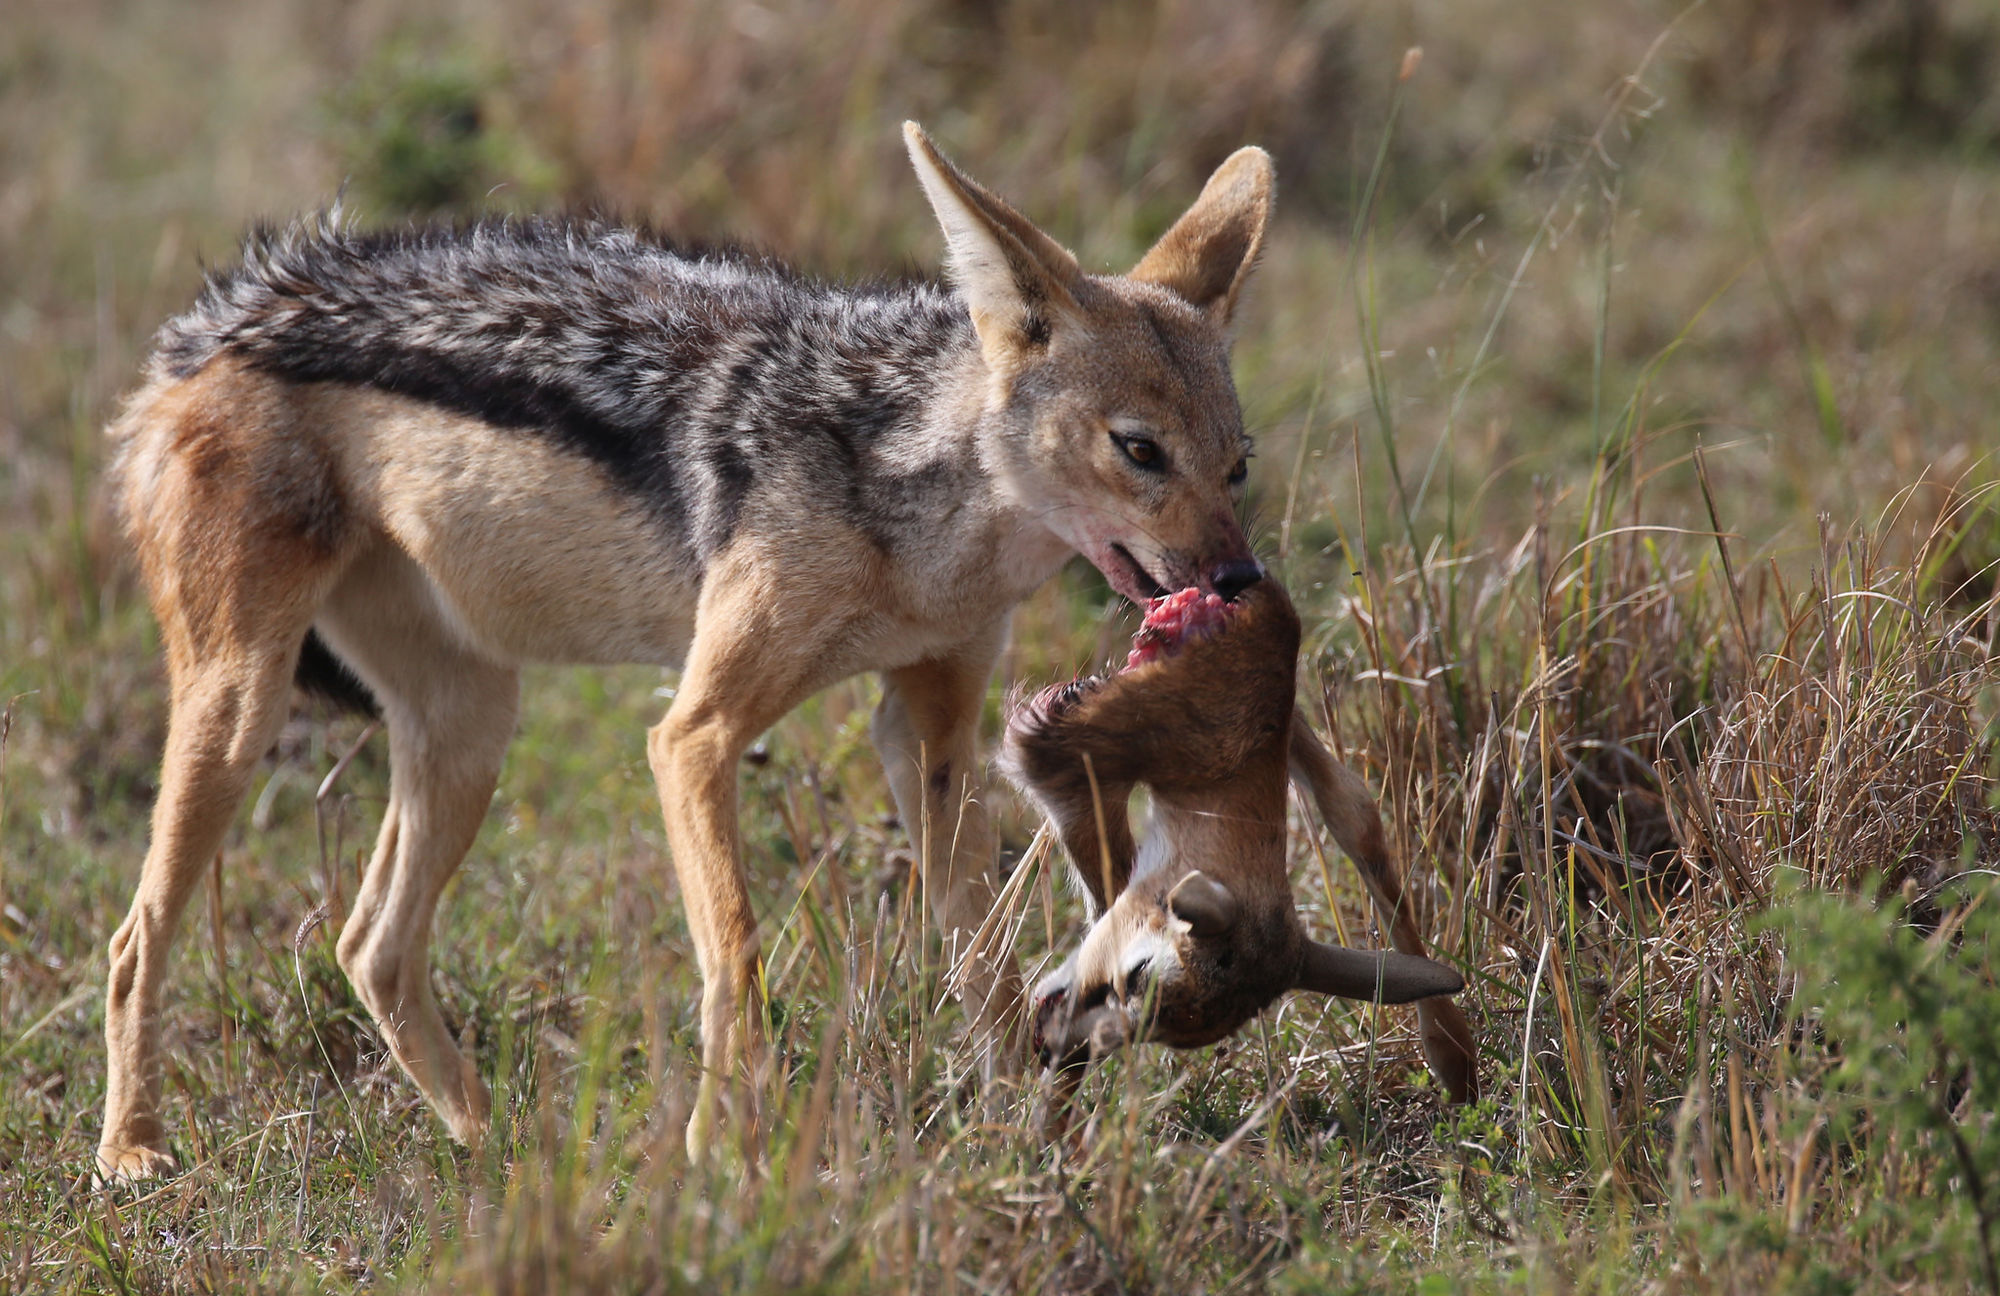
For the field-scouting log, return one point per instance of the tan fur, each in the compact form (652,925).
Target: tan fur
(437,554)
(232,601)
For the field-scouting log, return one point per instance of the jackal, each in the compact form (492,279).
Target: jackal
(404,464)
(1194,929)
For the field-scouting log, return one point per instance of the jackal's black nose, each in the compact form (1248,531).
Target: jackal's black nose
(1233,577)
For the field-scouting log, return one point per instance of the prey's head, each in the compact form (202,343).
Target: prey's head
(1179,959)
(1114,417)
(1206,934)
(1185,958)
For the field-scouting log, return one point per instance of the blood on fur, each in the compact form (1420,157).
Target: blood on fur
(1176,619)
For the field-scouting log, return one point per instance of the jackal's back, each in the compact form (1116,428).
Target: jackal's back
(685,375)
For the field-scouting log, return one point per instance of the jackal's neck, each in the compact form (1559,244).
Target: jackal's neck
(970,440)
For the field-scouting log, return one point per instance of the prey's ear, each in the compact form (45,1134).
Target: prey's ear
(1208,254)
(1204,904)
(1386,977)
(1019,282)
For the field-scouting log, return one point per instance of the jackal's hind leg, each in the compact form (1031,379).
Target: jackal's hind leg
(226,712)
(237,544)
(449,715)
(926,730)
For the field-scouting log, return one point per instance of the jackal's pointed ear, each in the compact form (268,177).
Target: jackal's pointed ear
(1019,282)
(1208,254)
(1386,977)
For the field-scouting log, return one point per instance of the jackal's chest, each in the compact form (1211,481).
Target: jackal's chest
(979,569)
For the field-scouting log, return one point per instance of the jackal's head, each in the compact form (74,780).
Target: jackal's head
(1113,413)
(1206,934)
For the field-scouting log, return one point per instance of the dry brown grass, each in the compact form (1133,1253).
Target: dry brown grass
(1619,748)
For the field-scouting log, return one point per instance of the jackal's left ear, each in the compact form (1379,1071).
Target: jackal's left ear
(1209,252)
(1019,283)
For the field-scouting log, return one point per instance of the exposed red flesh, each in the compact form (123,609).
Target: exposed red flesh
(1173,620)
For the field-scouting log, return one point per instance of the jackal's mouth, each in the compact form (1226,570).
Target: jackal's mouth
(1175,620)
(1138,583)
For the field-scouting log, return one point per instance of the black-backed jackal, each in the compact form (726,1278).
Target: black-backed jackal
(405,464)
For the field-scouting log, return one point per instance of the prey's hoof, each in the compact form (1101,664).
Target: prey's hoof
(134,1164)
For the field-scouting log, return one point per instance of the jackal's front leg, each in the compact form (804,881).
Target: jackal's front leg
(754,657)
(694,753)
(694,762)
(926,730)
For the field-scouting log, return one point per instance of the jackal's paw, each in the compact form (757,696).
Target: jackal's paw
(466,1108)
(118,1163)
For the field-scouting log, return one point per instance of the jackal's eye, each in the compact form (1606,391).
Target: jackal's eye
(1141,450)
(1240,472)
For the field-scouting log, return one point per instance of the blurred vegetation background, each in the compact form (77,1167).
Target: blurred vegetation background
(1522,283)
(1790,203)
(1783,187)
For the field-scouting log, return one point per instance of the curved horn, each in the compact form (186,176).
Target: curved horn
(1204,904)
(1385,977)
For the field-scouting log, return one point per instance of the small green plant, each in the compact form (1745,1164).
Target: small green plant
(419,134)
(1897,1029)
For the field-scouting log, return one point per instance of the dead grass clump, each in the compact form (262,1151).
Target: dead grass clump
(1853,753)
(1641,703)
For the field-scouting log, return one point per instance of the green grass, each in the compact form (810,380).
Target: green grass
(1592,286)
